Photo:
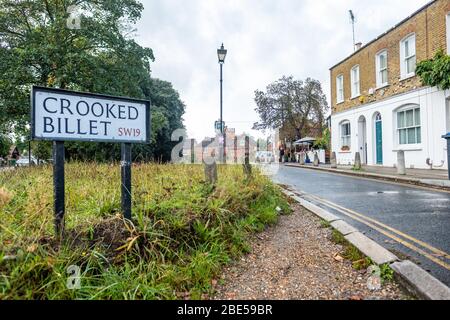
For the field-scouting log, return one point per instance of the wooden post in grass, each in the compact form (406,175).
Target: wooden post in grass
(235,149)
(247,166)
(192,151)
(211,169)
(224,157)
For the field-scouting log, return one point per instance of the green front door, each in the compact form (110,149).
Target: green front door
(379,141)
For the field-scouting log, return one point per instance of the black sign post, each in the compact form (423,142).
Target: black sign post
(125,165)
(58,186)
(61,115)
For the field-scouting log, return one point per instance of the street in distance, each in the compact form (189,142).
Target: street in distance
(67,115)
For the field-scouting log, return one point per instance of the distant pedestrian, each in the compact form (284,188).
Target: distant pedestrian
(281,154)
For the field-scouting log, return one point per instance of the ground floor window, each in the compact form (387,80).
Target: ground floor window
(345,136)
(408,126)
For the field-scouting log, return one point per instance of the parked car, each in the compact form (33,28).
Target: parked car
(24,162)
(265,157)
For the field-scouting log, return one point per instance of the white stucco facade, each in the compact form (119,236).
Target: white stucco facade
(429,124)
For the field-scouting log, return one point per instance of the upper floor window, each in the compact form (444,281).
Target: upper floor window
(448,33)
(408,125)
(345,135)
(381,68)
(354,78)
(408,56)
(340,88)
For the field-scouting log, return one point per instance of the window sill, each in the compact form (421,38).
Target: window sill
(408,76)
(349,151)
(408,147)
(382,86)
(340,102)
(355,97)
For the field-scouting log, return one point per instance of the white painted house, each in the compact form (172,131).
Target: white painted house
(379,105)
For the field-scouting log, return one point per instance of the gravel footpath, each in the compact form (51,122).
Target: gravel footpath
(295,260)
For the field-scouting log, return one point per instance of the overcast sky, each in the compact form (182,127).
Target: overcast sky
(266,39)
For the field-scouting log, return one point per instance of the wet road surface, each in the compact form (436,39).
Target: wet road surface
(412,222)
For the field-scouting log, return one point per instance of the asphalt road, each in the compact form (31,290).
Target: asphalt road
(412,222)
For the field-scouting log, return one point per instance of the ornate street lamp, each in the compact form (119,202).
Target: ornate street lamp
(221,54)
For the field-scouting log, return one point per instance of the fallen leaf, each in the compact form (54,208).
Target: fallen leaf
(32,248)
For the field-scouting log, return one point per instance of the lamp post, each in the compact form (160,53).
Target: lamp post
(221,54)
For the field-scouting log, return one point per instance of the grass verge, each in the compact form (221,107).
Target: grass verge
(183,230)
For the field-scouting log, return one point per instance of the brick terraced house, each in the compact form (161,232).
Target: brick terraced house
(380,106)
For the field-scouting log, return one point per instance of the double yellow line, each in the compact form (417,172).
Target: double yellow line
(389,232)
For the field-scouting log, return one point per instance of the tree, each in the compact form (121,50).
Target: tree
(294,106)
(5,145)
(166,116)
(324,142)
(435,71)
(37,47)
(168,111)
(42,150)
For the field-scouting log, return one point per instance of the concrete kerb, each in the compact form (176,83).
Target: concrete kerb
(413,278)
(343,227)
(419,282)
(429,183)
(371,249)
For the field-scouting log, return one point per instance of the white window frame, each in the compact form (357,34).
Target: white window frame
(340,88)
(355,82)
(411,39)
(379,71)
(345,140)
(405,128)
(448,33)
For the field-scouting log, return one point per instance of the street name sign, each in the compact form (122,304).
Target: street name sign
(61,115)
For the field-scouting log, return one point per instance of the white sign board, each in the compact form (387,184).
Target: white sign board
(63,115)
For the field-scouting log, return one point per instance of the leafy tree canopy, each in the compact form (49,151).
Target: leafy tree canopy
(5,144)
(40,45)
(295,106)
(167,111)
(324,142)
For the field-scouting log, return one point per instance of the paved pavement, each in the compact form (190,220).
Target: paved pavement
(413,222)
(435,174)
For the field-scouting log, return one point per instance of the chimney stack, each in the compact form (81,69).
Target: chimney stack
(358,46)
